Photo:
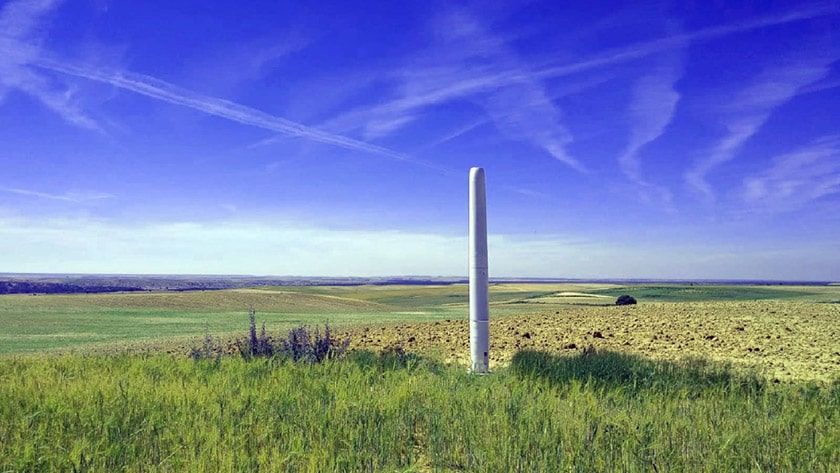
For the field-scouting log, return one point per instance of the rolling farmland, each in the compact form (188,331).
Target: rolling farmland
(693,378)
(785,332)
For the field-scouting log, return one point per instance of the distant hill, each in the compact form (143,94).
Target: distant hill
(35,287)
(83,284)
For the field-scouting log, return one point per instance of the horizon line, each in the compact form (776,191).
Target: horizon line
(446,279)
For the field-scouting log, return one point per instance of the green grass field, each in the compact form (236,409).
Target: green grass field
(49,322)
(682,293)
(83,321)
(607,412)
(659,394)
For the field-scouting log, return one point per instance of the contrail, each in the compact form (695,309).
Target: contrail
(170,93)
(552,70)
(664,44)
(481,83)
(166,92)
(69,197)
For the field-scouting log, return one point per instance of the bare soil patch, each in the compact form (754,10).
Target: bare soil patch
(785,340)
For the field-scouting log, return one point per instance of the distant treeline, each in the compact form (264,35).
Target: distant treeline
(26,287)
(88,287)
(11,283)
(86,284)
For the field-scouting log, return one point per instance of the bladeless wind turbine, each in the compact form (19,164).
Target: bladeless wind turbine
(479,303)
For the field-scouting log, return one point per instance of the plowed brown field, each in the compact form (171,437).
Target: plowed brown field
(782,339)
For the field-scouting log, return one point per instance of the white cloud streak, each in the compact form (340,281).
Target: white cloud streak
(19,47)
(652,107)
(647,48)
(75,197)
(170,93)
(442,85)
(796,178)
(454,134)
(744,114)
(19,19)
(468,59)
(522,109)
(653,104)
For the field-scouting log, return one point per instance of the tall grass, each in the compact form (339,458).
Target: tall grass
(370,412)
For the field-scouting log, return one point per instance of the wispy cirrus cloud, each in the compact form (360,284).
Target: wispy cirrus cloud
(682,40)
(75,197)
(454,134)
(19,20)
(522,109)
(821,85)
(469,127)
(230,67)
(796,178)
(744,113)
(652,107)
(20,23)
(467,61)
(170,93)
(456,75)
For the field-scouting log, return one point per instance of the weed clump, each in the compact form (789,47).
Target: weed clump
(209,349)
(255,345)
(300,345)
(303,345)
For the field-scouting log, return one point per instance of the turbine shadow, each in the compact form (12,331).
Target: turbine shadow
(614,370)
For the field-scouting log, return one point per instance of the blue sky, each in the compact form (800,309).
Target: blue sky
(319,138)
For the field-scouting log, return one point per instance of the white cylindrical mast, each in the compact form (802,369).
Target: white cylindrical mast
(479,304)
